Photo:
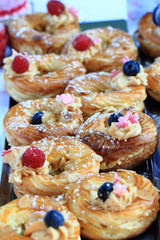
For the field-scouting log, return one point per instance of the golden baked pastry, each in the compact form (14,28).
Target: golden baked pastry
(113,206)
(102,46)
(33,120)
(31,77)
(37,218)
(153,87)
(40,33)
(148,35)
(111,92)
(52,168)
(123,140)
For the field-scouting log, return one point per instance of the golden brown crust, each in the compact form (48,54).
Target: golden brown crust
(148,37)
(20,131)
(27,34)
(126,154)
(14,215)
(50,75)
(112,41)
(98,223)
(96,94)
(67,160)
(153,71)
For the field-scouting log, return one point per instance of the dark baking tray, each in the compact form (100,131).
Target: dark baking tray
(149,169)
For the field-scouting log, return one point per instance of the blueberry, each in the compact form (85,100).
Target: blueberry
(104,190)
(131,68)
(37,118)
(54,219)
(156,15)
(114,117)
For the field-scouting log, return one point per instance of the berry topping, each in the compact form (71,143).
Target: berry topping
(55,7)
(131,68)
(20,64)
(33,157)
(156,15)
(2,30)
(82,42)
(37,118)
(104,190)
(54,219)
(114,117)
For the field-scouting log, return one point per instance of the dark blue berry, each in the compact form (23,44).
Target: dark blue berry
(104,190)
(131,68)
(156,15)
(37,118)
(54,219)
(114,117)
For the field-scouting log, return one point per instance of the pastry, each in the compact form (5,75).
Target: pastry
(31,77)
(113,206)
(124,140)
(148,34)
(40,33)
(101,49)
(37,218)
(50,166)
(3,41)
(153,87)
(33,120)
(111,91)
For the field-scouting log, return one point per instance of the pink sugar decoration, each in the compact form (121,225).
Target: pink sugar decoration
(117,179)
(96,41)
(26,55)
(127,120)
(119,190)
(73,12)
(114,73)
(66,98)
(125,59)
(4,152)
(14,52)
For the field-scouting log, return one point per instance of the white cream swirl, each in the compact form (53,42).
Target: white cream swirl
(86,55)
(29,74)
(132,130)
(54,22)
(121,81)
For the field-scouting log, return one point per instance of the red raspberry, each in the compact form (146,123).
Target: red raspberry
(33,157)
(55,7)
(20,64)
(2,30)
(82,42)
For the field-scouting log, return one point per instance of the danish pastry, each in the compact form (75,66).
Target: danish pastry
(33,120)
(50,166)
(153,87)
(101,49)
(31,77)
(37,218)
(123,140)
(41,33)
(113,206)
(148,34)
(110,91)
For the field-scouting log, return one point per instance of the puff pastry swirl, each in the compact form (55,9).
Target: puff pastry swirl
(66,160)
(100,222)
(22,219)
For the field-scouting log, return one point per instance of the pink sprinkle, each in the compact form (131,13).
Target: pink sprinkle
(66,98)
(127,120)
(119,189)
(26,55)
(114,73)
(117,179)
(73,12)
(4,152)
(125,59)
(96,41)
